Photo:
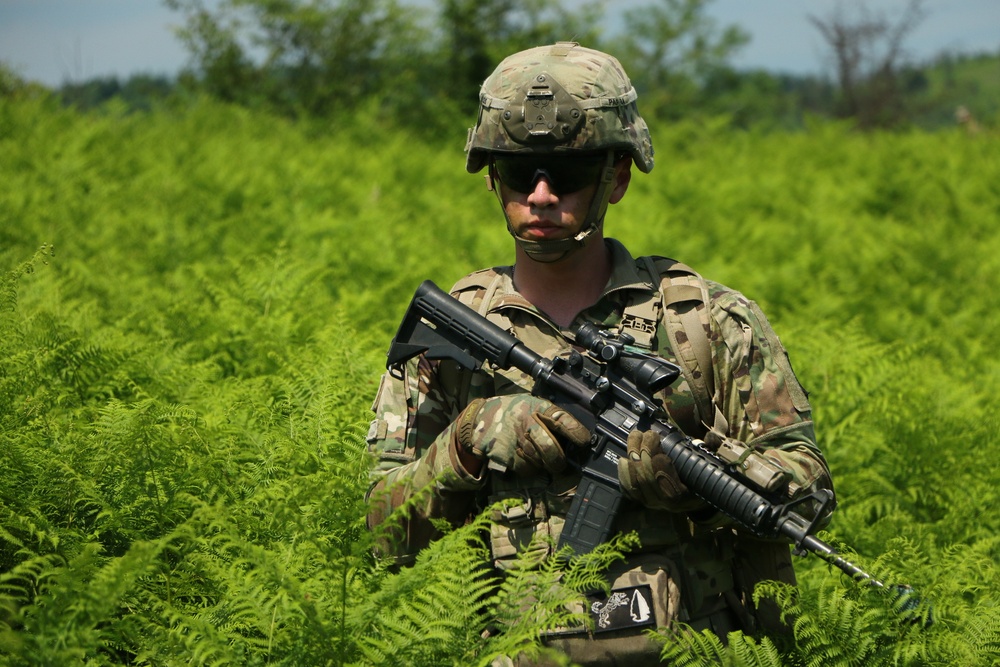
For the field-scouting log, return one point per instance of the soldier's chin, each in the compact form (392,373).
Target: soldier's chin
(549,257)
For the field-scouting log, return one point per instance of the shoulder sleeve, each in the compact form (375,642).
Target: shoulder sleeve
(762,392)
(413,409)
(416,467)
(410,412)
(760,396)
(478,279)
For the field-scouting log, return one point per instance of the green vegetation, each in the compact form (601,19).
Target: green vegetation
(421,64)
(195,304)
(950,82)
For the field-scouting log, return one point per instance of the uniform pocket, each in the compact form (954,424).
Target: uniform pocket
(654,572)
(520,528)
(644,595)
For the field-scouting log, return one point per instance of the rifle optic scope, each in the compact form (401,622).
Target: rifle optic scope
(649,373)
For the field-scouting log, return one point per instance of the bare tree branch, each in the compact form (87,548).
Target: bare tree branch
(867,50)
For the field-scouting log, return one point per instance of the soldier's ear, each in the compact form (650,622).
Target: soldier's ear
(623,176)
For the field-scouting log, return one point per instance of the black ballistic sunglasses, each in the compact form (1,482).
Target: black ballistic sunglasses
(565,174)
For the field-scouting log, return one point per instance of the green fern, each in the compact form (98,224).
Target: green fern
(685,648)
(182,407)
(433,612)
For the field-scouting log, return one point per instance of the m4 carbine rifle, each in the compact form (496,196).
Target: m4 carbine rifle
(609,389)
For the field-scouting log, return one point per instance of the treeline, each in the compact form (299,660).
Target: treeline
(420,64)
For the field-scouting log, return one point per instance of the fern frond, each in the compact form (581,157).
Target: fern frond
(433,612)
(10,279)
(684,647)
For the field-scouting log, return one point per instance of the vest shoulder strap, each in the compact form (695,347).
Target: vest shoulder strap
(687,320)
(477,289)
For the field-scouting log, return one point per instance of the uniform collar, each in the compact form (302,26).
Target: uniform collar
(624,276)
(624,270)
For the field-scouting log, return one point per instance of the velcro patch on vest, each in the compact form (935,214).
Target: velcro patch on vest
(625,608)
(638,324)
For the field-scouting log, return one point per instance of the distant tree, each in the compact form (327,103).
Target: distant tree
(220,60)
(467,25)
(813,94)
(14,86)
(317,57)
(670,49)
(867,50)
(751,98)
(11,82)
(90,93)
(138,92)
(307,56)
(143,91)
(477,34)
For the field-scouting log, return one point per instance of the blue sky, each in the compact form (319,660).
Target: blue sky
(53,41)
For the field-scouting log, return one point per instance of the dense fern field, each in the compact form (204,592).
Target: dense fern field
(195,305)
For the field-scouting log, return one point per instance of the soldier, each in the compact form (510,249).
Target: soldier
(558,133)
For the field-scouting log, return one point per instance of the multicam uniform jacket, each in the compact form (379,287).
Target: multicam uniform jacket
(756,400)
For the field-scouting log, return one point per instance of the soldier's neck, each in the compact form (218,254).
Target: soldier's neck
(562,289)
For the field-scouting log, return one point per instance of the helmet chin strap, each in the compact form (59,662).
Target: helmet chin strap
(549,252)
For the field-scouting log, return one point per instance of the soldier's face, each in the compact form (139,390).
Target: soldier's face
(543,215)
(549,199)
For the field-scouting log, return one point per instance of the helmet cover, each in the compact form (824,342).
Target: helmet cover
(558,99)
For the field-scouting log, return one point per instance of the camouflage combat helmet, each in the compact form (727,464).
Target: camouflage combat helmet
(562,99)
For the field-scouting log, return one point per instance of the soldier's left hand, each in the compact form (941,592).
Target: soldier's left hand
(648,475)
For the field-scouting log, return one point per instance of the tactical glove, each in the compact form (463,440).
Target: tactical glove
(520,432)
(648,476)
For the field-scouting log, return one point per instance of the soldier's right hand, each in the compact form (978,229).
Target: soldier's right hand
(520,432)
